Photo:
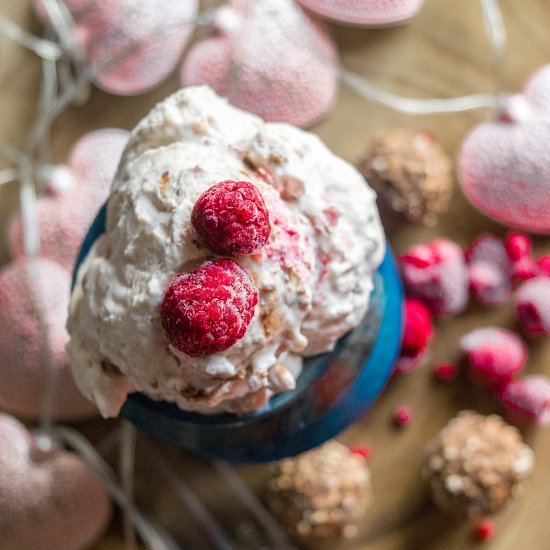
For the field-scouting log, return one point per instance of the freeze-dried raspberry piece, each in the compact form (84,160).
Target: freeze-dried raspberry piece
(495,354)
(207,310)
(527,400)
(489,270)
(230,218)
(533,305)
(417,333)
(436,274)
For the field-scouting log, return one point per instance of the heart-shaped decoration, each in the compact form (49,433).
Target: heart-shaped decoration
(74,194)
(23,375)
(367,13)
(504,165)
(48,500)
(270,58)
(130,47)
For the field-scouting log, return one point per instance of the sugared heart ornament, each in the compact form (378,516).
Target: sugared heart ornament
(48,500)
(129,46)
(23,360)
(504,165)
(74,194)
(268,57)
(365,13)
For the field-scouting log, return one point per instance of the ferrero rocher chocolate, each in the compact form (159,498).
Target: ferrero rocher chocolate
(477,464)
(411,174)
(320,494)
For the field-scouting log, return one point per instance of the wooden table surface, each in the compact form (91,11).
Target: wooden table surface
(443,52)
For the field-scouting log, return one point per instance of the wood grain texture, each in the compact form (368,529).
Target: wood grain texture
(443,52)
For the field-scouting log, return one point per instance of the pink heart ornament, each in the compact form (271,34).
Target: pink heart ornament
(130,47)
(74,194)
(23,375)
(270,58)
(47,501)
(365,13)
(504,165)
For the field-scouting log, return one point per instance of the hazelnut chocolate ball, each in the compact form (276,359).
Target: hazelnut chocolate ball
(411,173)
(477,464)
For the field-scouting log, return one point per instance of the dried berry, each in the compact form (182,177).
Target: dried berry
(230,218)
(528,400)
(495,355)
(533,305)
(436,274)
(207,310)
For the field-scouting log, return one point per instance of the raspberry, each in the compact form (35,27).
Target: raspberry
(495,355)
(445,371)
(518,246)
(543,265)
(489,270)
(363,451)
(528,400)
(230,218)
(524,269)
(402,415)
(436,274)
(417,333)
(484,530)
(207,310)
(533,305)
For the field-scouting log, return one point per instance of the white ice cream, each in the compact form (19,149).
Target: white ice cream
(314,277)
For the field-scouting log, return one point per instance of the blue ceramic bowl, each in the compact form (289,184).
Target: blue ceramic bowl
(333,391)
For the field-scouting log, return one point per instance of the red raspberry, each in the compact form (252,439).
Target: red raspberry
(543,265)
(518,246)
(533,305)
(484,530)
(363,451)
(489,270)
(495,355)
(528,400)
(417,333)
(230,218)
(207,310)
(402,415)
(445,371)
(436,274)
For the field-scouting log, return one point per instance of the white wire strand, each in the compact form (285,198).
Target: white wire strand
(45,49)
(413,106)
(153,536)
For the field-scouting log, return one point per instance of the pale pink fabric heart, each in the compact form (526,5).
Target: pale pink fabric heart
(22,358)
(367,13)
(50,501)
(74,194)
(268,57)
(130,46)
(504,166)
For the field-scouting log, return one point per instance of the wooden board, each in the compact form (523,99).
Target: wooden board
(443,52)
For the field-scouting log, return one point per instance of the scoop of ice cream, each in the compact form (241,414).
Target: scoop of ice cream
(313,277)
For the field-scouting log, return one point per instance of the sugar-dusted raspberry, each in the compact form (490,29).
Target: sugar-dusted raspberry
(533,305)
(207,310)
(518,246)
(543,266)
(436,274)
(527,401)
(402,415)
(495,355)
(230,218)
(417,333)
(489,270)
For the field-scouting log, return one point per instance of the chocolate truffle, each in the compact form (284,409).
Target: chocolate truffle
(477,464)
(320,494)
(411,173)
